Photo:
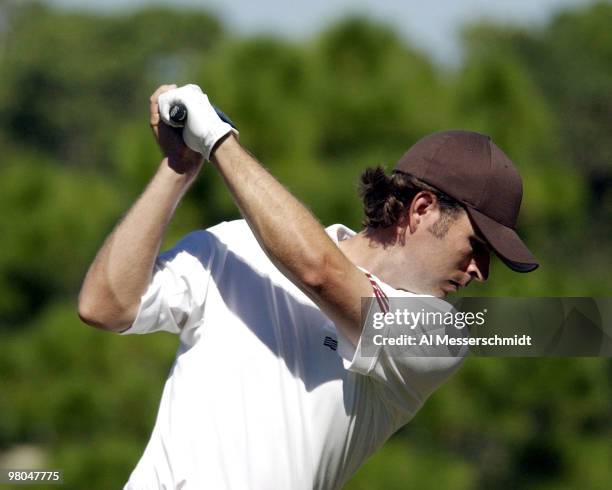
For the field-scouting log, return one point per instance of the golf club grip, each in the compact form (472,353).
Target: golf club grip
(178,115)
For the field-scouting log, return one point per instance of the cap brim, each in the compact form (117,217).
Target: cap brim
(505,242)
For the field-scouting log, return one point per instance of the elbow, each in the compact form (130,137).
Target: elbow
(317,275)
(95,313)
(87,312)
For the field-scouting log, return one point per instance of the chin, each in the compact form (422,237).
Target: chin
(440,293)
(445,291)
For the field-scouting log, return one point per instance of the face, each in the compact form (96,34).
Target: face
(448,261)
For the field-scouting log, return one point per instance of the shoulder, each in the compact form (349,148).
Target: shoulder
(227,243)
(234,235)
(222,235)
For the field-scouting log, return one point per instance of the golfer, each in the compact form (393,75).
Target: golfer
(269,390)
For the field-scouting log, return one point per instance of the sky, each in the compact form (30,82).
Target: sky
(431,25)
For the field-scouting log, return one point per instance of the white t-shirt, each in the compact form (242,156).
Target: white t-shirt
(264,393)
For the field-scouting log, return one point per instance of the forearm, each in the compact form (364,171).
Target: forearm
(292,237)
(121,272)
(285,228)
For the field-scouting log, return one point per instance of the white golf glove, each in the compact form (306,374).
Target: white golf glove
(203,127)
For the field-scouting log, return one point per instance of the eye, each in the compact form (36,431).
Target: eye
(479,247)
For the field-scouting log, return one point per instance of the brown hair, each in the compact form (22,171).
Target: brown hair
(386,197)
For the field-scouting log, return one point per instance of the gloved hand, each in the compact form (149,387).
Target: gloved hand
(203,128)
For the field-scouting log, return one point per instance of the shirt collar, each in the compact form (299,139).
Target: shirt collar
(339,232)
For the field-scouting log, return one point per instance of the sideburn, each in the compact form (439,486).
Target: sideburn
(440,228)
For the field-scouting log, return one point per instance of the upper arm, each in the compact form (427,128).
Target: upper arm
(406,374)
(176,296)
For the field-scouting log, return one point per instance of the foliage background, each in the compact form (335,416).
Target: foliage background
(76,151)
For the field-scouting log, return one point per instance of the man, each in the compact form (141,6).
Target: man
(269,389)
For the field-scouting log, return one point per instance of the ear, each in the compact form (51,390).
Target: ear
(423,204)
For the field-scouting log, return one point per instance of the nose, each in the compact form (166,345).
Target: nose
(478,267)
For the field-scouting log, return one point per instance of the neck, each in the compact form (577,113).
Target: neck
(378,252)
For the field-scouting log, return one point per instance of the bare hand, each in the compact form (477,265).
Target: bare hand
(181,158)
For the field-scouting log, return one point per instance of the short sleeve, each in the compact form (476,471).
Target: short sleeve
(176,296)
(407,375)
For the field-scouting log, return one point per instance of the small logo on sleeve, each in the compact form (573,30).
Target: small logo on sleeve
(331,343)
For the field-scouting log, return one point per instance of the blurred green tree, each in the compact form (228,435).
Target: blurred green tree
(69,77)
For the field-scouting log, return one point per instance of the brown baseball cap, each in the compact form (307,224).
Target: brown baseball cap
(470,168)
